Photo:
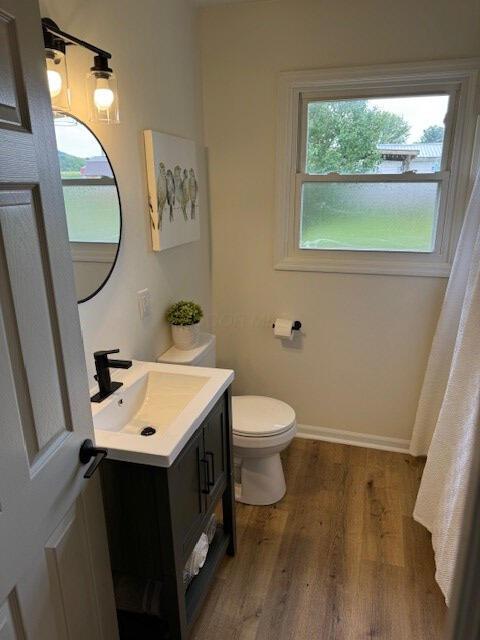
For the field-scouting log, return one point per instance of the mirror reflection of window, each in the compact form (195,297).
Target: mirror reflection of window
(91,203)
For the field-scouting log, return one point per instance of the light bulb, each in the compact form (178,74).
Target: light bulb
(103,96)
(54,82)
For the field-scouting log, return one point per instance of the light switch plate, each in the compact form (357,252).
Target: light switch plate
(144,303)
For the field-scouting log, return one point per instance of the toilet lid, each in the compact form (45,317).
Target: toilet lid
(261,416)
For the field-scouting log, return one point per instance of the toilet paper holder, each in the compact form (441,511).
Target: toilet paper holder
(296,326)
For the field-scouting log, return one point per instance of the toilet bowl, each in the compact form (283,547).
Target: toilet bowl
(262,428)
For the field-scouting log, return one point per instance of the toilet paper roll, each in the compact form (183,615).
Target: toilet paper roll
(283,329)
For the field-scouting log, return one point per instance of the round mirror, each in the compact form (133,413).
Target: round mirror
(92,205)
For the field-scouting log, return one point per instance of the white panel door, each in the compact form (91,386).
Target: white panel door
(55,581)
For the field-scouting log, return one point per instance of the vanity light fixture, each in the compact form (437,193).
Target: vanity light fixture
(102,93)
(57,73)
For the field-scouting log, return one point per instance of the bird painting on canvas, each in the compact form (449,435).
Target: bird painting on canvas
(174,192)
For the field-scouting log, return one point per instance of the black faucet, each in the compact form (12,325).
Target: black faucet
(103,365)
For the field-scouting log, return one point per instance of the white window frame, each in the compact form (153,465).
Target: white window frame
(459,78)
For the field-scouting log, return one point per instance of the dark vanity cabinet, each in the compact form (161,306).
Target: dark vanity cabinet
(199,475)
(155,516)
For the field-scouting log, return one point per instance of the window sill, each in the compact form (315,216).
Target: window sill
(367,264)
(93,251)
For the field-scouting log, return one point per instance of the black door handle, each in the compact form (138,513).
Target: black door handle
(210,455)
(89,451)
(206,483)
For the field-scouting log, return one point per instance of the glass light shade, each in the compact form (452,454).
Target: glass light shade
(57,76)
(102,97)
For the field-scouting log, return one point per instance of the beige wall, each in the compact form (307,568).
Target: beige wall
(360,364)
(155,56)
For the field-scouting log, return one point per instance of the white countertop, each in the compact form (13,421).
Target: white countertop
(162,448)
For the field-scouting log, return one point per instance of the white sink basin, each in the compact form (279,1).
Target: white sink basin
(170,400)
(154,400)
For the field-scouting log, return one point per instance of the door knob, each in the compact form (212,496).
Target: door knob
(89,451)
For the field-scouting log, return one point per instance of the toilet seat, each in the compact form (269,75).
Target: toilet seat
(260,417)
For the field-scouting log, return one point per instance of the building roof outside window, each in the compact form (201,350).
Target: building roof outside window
(422,157)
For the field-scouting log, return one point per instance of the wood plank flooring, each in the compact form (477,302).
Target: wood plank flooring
(339,558)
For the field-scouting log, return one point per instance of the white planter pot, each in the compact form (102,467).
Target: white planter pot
(186,337)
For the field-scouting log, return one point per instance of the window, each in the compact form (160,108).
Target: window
(374,168)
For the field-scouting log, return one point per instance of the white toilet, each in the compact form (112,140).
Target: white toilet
(262,428)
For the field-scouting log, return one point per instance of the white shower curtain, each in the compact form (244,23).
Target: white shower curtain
(449,409)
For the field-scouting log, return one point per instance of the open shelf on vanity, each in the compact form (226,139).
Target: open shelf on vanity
(197,590)
(154,624)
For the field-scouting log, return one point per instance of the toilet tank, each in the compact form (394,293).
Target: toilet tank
(203,355)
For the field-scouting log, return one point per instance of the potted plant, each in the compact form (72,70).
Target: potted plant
(184,317)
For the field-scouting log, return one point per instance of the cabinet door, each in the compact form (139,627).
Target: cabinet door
(215,451)
(187,486)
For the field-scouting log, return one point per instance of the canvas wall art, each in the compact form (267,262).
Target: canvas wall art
(173,190)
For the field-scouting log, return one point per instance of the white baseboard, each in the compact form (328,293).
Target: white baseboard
(353,438)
